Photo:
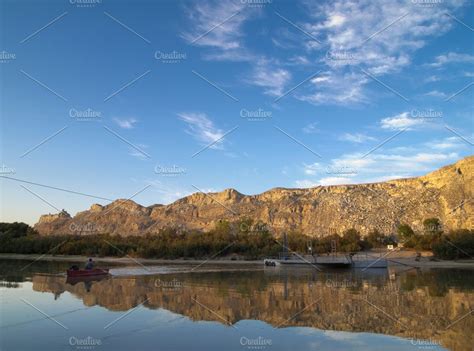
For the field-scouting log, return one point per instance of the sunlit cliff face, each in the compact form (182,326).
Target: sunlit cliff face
(445,194)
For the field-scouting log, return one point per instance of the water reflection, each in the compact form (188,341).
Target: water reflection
(429,305)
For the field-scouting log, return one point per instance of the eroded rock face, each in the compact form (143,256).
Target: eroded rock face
(446,194)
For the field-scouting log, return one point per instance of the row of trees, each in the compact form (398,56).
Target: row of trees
(246,238)
(456,244)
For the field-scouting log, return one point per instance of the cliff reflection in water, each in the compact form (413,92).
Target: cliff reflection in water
(414,304)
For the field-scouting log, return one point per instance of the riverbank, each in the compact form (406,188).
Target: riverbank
(124,260)
(402,258)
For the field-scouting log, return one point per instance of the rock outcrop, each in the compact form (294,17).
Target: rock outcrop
(446,194)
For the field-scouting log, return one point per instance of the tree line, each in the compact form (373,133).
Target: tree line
(242,239)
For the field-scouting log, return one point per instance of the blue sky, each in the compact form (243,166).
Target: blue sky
(182,96)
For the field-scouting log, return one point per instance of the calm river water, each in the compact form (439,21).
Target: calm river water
(185,307)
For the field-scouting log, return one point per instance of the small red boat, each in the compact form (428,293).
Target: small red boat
(87,272)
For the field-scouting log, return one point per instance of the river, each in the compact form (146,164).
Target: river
(211,307)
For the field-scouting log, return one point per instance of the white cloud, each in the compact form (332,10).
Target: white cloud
(140,155)
(355,37)
(401,121)
(312,169)
(299,60)
(305,183)
(205,18)
(202,128)
(335,87)
(437,94)
(451,57)
(383,165)
(335,181)
(127,123)
(218,26)
(433,78)
(311,128)
(273,80)
(453,142)
(356,137)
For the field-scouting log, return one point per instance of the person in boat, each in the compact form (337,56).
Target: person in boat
(90,264)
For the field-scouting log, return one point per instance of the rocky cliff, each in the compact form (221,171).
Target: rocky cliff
(446,194)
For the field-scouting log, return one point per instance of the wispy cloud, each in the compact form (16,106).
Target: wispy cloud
(336,87)
(127,123)
(380,44)
(377,167)
(451,57)
(449,143)
(218,26)
(437,94)
(272,79)
(356,137)
(400,121)
(432,78)
(140,155)
(311,128)
(202,129)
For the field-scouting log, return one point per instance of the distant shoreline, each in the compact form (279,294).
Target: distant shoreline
(121,260)
(398,259)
